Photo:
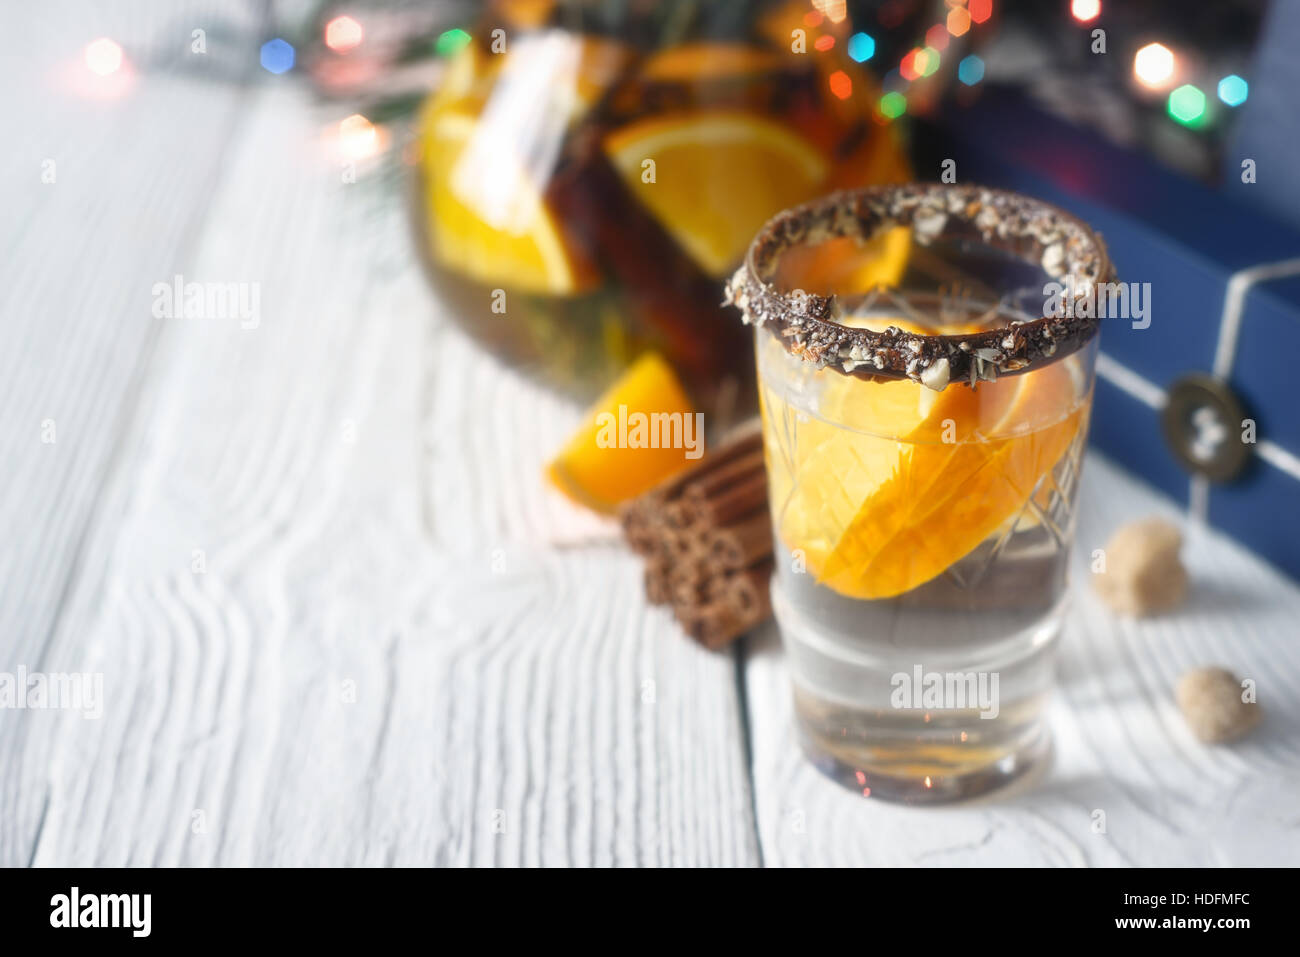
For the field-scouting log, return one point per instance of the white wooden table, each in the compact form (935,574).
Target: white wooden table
(340,618)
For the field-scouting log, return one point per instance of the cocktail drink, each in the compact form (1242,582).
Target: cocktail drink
(923,446)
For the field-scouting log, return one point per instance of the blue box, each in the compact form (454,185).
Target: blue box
(1188,242)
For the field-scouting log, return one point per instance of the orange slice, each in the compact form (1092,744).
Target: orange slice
(843,266)
(487,217)
(944,498)
(718,176)
(489,137)
(823,463)
(638,433)
(466,81)
(882,486)
(707,61)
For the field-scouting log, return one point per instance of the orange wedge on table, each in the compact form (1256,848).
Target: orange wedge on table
(717,177)
(608,462)
(919,479)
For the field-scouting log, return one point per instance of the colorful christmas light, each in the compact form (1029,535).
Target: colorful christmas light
(1153,65)
(862,47)
(358,136)
(1233,90)
(1085,10)
(971,70)
(343,34)
(103,56)
(450,41)
(277,56)
(930,64)
(893,105)
(1187,105)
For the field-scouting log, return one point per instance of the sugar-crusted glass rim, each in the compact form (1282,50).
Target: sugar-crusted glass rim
(1035,232)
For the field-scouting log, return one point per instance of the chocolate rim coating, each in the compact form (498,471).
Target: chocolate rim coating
(1036,232)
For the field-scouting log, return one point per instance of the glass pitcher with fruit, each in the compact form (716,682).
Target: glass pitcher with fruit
(590,173)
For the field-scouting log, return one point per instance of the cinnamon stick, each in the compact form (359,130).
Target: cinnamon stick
(657,590)
(680,514)
(638,519)
(749,591)
(706,537)
(737,500)
(743,543)
(717,479)
(712,625)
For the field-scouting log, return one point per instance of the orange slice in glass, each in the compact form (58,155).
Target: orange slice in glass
(640,432)
(947,494)
(716,177)
(491,136)
(487,217)
(844,266)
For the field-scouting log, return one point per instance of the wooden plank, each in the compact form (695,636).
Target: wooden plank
(401,649)
(81,254)
(1120,743)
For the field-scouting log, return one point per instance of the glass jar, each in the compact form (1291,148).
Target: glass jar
(590,173)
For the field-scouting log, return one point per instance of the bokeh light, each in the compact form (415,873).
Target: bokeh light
(971,70)
(277,56)
(1187,105)
(862,47)
(1085,10)
(103,56)
(958,21)
(835,10)
(342,34)
(1233,90)
(1153,65)
(909,67)
(928,61)
(893,105)
(841,85)
(980,10)
(451,41)
(937,37)
(824,42)
(357,136)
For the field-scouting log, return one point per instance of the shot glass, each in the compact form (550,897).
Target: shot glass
(925,361)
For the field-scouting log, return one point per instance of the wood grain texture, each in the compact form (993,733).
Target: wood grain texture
(393,652)
(98,206)
(1120,743)
(340,618)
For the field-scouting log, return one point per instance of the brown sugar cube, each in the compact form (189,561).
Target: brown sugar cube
(1212,705)
(1143,574)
